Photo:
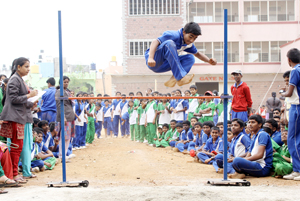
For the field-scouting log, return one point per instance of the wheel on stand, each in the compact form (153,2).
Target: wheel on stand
(85,183)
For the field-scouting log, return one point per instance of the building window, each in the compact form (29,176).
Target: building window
(138,47)
(205,12)
(263,51)
(276,10)
(215,50)
(153,7)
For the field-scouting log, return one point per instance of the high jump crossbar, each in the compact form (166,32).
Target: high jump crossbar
(143,97)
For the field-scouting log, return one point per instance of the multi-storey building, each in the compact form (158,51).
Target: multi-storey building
(256,32)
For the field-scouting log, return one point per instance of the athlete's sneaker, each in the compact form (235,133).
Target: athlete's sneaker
(292,176)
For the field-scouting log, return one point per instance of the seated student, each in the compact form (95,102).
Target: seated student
(42,157)
(35,122)
(177,134)
(193,121)
(99,119)
(282,159)
(229,136)
(164,142)
(185,138)
(193,144)
(258,161)
(204,135)
(210,149)
(171,134)
(239,147)
(198,133)
(53,134)
(275,135)
(47,137)
(221,127)
(276,112)
(160,137)
(229,124)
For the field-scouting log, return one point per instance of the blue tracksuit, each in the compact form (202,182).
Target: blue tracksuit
(166,55)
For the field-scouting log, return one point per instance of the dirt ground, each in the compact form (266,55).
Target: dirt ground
(134,169)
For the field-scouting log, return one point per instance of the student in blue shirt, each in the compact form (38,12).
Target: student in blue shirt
(162,56)
(77,141)
(277,134)
(48,104)
(108,119)
(179,107)
(204,134)
(258,161)
(211,147)
(239,147)
(47,137)
(185,138)
(116,112)
(293,93)
(124,108)
(274,133)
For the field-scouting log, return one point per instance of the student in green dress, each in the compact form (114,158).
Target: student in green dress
(193,103)
(220,110)
(172,132)
(136,104)
(196,113)
(282,159)
(164,112)
(142,120)
(207,109)
(160,137)
(151,114)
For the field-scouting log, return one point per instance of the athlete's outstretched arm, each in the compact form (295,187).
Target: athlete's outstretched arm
(153,47)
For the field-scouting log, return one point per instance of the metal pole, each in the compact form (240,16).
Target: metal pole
(62,121)
(225,94)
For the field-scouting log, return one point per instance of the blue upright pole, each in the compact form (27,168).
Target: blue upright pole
(62,121)
(225,94)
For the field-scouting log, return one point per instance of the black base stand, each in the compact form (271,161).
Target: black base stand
(84,183)
(229,182)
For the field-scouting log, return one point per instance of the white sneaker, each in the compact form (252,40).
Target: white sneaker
(292,176)
(35,169)
(115,136)
(137,141)
(71,156)
(151,145)
(100,137)
(84,147)
(87,144)
(78,147)
(73,149)
(146,141)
